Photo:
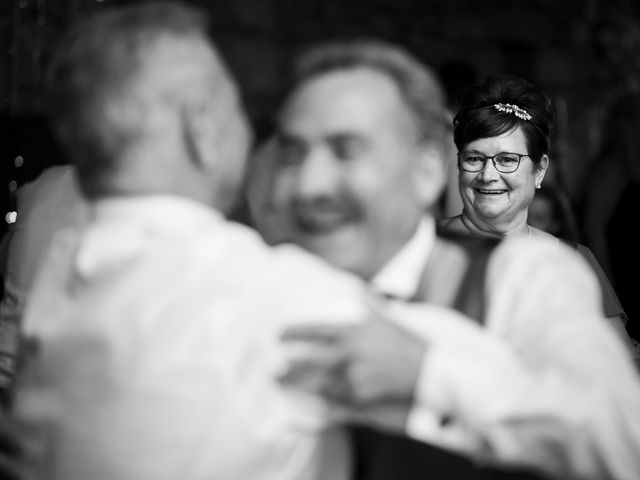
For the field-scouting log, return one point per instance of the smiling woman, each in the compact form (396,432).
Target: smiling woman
(496,197)
(508,121)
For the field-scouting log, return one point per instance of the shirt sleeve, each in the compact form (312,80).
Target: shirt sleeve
(545,382)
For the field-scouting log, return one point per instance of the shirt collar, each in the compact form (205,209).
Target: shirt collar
(401,275)
(159,212)
(119,228)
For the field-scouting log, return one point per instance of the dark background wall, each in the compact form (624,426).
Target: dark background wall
(556,44)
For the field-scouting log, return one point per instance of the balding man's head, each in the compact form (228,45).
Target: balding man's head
(135,74)
(361,136)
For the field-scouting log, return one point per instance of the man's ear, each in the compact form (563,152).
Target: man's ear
(215,133)
(430,174)
(197,131)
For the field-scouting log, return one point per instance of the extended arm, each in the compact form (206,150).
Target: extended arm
(547,381)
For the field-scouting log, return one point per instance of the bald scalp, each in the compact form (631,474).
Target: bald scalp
(125,74)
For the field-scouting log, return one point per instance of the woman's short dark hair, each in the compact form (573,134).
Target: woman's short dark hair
(479,117)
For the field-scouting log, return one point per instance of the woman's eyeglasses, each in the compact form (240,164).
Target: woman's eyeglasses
(505,162)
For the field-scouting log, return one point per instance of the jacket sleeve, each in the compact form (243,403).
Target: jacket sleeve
(545,382)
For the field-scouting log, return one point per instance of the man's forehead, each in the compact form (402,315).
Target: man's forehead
(340,102)
(310,127)
(344,87)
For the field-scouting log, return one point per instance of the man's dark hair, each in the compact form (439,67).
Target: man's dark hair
(417,84)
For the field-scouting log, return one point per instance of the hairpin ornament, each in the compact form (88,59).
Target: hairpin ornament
(516,110)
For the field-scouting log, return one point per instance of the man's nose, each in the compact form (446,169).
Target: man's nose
(318,175)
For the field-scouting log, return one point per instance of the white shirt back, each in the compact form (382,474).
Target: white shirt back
(157,330)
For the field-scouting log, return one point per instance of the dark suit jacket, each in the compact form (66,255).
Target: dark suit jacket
(452,279)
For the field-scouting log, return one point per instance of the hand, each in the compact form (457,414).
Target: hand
(366,365)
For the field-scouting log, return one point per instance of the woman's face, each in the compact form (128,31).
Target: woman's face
(500,200)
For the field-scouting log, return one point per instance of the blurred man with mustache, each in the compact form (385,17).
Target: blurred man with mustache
(155,323)
(360,167)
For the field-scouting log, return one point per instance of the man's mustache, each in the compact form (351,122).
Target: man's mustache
(319,212)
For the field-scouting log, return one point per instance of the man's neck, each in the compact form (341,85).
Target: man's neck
(400,276)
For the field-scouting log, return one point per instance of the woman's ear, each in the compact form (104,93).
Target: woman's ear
(541,170)
(429,177)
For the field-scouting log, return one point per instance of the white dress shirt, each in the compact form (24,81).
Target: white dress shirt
(157,330)
(158,355)
(400,277)
(545,381)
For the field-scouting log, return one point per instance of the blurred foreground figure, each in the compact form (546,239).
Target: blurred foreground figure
(49,203)
(527,376)
(153,329)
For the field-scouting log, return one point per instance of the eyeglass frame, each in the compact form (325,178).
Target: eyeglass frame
(493,160)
